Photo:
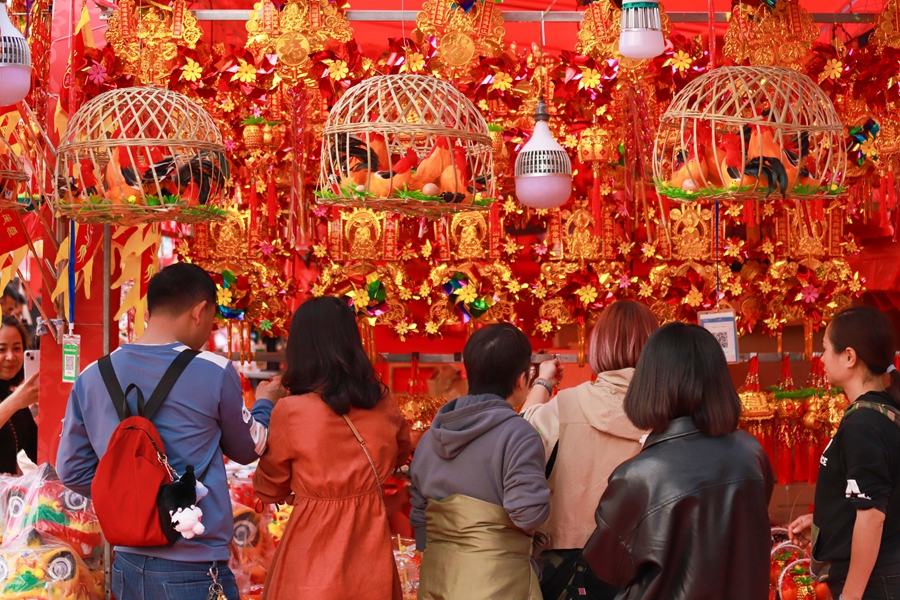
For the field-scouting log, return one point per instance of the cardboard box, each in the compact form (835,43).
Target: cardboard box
(790,501)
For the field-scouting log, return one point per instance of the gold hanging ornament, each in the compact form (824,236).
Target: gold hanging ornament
(887,27)
(462,35)
(779,37)
(292,34)
(147,38)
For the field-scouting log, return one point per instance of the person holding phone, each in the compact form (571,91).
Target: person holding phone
(18,431)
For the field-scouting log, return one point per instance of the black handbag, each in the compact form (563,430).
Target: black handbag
(565,574)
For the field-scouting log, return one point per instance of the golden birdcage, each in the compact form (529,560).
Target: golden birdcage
(141,154)
(749,133)
(408,143)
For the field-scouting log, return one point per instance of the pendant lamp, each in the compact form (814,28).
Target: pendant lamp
(543,168)
(15,61)
(641,33)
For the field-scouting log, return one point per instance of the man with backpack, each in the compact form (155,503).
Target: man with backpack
(195,414)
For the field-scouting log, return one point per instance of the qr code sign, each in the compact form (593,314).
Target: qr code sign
(722,338)
(69,366)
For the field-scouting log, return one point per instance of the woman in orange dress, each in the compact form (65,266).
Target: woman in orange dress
(337,544)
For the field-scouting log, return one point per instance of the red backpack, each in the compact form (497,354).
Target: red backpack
(131,475)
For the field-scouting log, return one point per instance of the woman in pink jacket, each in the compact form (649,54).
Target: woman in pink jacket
(586,436)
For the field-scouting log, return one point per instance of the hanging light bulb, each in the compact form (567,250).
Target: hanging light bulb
(641,35)
(15,61)
(543,168)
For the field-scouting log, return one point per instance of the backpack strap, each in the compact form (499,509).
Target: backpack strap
(166,384)
(889,411)
(113,387)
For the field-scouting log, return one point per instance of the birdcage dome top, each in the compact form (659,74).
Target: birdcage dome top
(412,104)
(146,114)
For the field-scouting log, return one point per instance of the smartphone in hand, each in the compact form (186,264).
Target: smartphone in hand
(32,362)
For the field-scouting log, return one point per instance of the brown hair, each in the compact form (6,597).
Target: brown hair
(619,336)
(682,373)
(871,334)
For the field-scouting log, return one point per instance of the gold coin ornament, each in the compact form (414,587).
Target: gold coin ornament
(292,49)
(457,48)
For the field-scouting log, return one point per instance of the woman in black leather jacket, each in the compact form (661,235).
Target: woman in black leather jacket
(687,518)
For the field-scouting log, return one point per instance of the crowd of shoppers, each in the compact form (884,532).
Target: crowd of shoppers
(635,485)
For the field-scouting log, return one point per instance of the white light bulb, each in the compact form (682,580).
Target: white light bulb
(543,168)
(641,32)
(15,62)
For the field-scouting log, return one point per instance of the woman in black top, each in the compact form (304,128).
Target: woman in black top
(856,523)
(18,431)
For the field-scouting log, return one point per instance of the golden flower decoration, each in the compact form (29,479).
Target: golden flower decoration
(646,290)
(694,297)
(541,212)
(502,82)
(338,70)
(767,247)
(734,250)
(403,329)
(424,290)
(320,250)
(855,284)
(318,291)
(868,148)
(768,209)
(772,322)
(510,205)
(427,249)
(648,250)
(228,105)
(192,70)
(483,105)
(833,69)
(765,287)
(605,189)
(736,289)
(467,294)
(405,293)
(682,61)
(570,142)
(734,210)
(625,248)
(512,247)
(246,73)
(415,62)
(223,296)
(431,328)
(590,78)
(587,294)
(539,292)
(545,327)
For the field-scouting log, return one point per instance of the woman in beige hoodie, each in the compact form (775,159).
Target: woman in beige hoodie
(585,431)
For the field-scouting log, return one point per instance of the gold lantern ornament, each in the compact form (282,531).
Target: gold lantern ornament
(750,133)
(407,143)
(141,154)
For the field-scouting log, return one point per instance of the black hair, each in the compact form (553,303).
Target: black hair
(325,356)
(495,357)
(870,333)
(12,292)
(178,288)
(682,372)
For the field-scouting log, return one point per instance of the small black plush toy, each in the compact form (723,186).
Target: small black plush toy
(177,503)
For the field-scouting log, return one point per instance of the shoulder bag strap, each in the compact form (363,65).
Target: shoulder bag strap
(113,387)
(362,443)
(167,382)
(889,411)
(552,460)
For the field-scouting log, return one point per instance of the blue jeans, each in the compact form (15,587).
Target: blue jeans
(136,577)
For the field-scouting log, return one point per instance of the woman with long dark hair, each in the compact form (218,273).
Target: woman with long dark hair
(332,443)
(855,529)
(687,518)
(18,430)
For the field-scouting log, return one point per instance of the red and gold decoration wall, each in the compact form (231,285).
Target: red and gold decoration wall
(777,261)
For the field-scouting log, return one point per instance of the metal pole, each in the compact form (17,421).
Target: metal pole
(107,330)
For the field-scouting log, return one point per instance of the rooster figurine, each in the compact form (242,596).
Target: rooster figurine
(383,184)
(454,177)
(432,166)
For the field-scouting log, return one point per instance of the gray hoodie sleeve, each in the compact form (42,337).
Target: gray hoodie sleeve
(526,496)
(419,504)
